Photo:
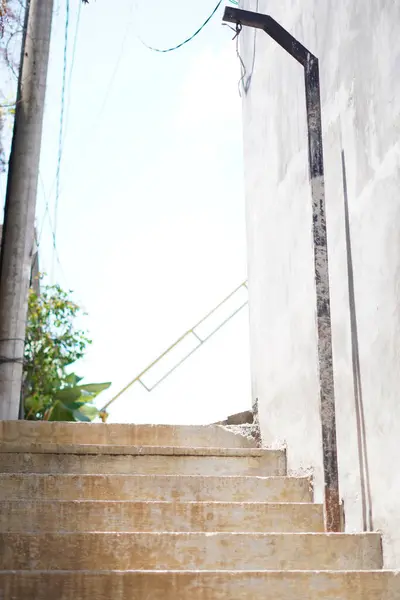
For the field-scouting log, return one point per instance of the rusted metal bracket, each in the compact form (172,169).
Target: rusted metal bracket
(316,169)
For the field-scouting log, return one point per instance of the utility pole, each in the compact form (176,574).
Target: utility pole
(19,213)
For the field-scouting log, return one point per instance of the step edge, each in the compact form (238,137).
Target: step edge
(128,450)
(220,503)
(199,534)
(159,475)
(205,571)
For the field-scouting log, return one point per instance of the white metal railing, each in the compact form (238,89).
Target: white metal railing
(194,334)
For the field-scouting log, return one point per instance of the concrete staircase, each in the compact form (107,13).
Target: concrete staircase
(125,512)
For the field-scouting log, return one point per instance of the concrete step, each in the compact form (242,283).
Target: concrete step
(81,516)
(121,434)
(189,551)
(141,460)
(201,585)
(154,487)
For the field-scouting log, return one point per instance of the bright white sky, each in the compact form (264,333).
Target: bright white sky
(151,225)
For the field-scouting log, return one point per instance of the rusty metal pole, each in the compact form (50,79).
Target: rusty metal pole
(325,357)
(323,312)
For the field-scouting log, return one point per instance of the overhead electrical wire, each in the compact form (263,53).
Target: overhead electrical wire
(91,132)
(71,70)
(74,47)
(109,87)
(61,130)
(116,66)
(189,39)
(39,230)
(62,134)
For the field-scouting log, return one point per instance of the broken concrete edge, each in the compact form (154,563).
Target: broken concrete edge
(256,424)
(242,418)
(245,423)
(250,432)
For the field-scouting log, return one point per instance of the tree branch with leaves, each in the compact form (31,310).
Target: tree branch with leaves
(53,343)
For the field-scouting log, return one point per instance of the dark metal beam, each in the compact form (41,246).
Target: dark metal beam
(271,27)
(316,171)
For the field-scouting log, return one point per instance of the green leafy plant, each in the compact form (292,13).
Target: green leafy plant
(53,343)
(70,402)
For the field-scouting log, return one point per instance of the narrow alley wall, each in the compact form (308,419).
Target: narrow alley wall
(358,45)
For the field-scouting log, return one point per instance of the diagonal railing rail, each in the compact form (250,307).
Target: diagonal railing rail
(192,333)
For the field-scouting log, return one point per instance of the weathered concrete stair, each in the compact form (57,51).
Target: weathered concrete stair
(121,434)
(20,516)
(188,551)
(121,512)
(40,458)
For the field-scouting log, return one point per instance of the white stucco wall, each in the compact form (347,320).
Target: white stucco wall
(358,44)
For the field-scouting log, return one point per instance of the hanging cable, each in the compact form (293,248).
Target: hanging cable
(71,70)
(91,131)
(65,128)
(61,130)
(56,255)
(189,39)
(237,30)
(247,83)
(245,79)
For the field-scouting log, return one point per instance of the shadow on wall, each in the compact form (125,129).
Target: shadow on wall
(358,396)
